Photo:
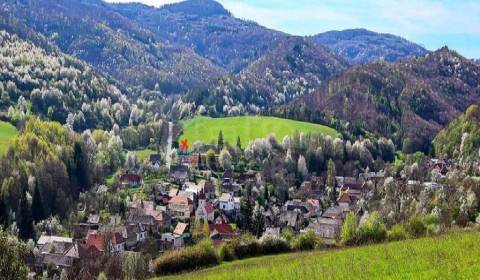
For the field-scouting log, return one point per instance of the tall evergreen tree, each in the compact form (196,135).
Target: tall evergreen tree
(37,205)
(24,218)
(258,221)
(239,143)
(220,141)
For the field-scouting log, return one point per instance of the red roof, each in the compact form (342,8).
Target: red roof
(180,200)
(221,228)
(209,208)
(96,240)
(130,177)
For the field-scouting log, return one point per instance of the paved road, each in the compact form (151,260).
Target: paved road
(169,145)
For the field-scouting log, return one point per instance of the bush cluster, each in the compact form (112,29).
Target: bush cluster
(249,247)
(373,230)
(190,258)
(305,241)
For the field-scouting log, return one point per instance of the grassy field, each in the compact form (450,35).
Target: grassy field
(451,256)
(7,133)
(144,154)
(247,127)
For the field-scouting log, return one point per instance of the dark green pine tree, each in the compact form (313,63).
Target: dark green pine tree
(239,143)
(220,141)
(266,195)
(24,218)
(37,205)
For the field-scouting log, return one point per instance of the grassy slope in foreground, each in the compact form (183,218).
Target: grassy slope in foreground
(7,133)
(451,256)
(247,127)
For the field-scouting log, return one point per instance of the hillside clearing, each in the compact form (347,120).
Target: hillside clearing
(249,128)
(451,256)
(7,133)
(143,155)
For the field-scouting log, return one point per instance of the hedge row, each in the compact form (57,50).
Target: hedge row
(204,255)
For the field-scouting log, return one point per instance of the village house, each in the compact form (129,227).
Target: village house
(272,216)
(131,180)
(54,250)
(182,230)
(113,241)
(176,239)
(136,233)
(154,220)
(295,204)
(344,201)
(220,233)
(329,225)
(293,219)
(205,210)
(189,193)
(228,203)
(180,207)
(171,241)
(227,178)
(179,174)
(155,160)
(326,228)
(312,189)
(208,188)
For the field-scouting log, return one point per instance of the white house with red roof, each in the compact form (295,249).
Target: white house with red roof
(205,210)
(99,240)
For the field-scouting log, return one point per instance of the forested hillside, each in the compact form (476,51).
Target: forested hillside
(409,100)
(95,33)
(56,87)
(207,28)
(363,46)
(295,67)
(46,168)
(461,139)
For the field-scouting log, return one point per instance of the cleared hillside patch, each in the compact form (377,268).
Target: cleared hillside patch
(7,133)
(249,128)
(451,256)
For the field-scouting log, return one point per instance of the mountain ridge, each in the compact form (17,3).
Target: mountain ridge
(410,100)
(361,46)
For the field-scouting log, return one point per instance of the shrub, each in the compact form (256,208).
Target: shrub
(373,230)
(287,234)
(247,248)
(190,258)
(273,245)
(415,227)
(349,230)
(397,233)
(227,252)
(305,241)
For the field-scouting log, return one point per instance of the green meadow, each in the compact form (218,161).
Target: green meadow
(7,133)
(143,155)
(452,256)
(249,128)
